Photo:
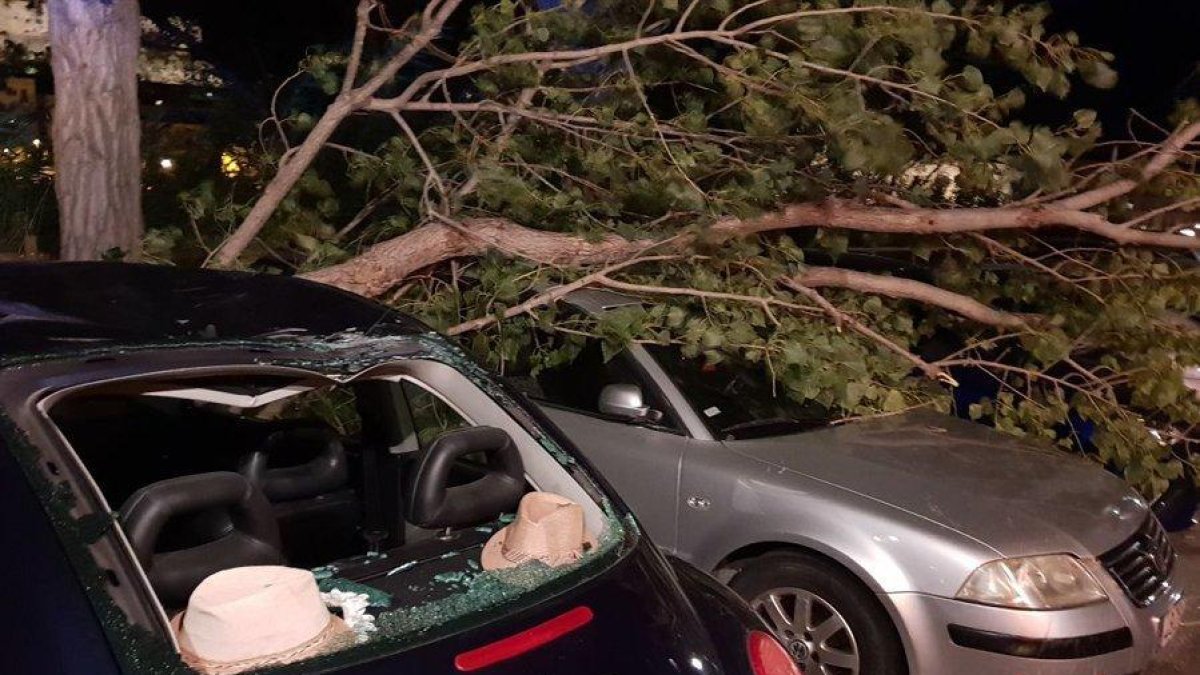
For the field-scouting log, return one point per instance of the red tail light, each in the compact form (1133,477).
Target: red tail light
(525,641)
(768,657)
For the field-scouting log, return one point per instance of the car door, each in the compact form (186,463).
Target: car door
(640,459)
(720,491)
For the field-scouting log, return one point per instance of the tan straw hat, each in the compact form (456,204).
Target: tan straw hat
(548,528)
(252,617)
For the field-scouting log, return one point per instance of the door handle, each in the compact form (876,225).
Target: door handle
(699,503)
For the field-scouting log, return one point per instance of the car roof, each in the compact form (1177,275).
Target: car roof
(76,306)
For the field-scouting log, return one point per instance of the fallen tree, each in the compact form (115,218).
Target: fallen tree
(837,193)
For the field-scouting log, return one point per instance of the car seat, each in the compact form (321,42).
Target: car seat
(304,473)
(246,535)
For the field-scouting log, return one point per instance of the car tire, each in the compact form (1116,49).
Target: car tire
(847,631)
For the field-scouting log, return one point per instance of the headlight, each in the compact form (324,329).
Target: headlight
(1038,582)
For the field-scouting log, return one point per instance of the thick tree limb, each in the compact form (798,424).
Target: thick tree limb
(387,264)
(908,289)
(384,265)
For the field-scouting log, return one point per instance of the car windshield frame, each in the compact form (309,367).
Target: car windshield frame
(336,358)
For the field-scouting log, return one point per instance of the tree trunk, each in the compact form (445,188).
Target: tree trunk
(96,127)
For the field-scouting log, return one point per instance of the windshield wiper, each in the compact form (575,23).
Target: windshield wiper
(731,430)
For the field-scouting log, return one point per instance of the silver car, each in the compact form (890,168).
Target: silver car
(915,543)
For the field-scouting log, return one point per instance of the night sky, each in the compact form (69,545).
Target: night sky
(1157,45)
(1157,42)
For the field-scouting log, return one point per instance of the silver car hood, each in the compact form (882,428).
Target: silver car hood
(1016,498)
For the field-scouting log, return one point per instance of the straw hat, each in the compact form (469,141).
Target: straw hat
(548,528)
(251,617)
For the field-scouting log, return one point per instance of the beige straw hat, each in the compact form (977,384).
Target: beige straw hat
(548,528)
(253,617)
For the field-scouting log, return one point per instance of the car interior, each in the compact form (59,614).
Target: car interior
(379,480)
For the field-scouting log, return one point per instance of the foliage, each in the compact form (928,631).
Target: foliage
(27,204)
(712,113)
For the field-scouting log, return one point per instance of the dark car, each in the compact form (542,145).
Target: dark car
(160,425)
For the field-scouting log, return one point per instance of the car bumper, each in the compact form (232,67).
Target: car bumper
(946,636)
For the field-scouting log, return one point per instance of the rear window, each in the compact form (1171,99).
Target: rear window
(329,468)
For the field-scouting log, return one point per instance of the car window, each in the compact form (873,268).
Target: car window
(345,525)
(429,416)
(576,384)
(737,400)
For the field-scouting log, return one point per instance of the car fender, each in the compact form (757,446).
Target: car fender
(751,505)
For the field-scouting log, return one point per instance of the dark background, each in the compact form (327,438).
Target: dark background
(1157,45)
(256,43)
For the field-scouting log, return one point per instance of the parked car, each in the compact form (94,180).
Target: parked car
(158,426)
(917,543)
(1175,508)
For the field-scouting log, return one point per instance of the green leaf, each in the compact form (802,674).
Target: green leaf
(894,401)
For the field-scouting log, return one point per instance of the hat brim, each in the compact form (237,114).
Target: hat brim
(334,637)
(493,558)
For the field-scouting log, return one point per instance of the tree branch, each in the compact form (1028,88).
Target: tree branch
(766,303)
(841,318)
(907,289)
(346,103)
(357,43)
(386,264)
(1167,152)
(551,296)
(373,273)
(866,218)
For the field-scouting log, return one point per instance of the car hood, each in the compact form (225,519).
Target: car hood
(1011,496)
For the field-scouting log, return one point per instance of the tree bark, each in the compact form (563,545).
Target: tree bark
(386,264)
(96,127)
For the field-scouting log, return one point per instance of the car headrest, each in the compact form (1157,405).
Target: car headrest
(253,539)
(434,504)
(324,471)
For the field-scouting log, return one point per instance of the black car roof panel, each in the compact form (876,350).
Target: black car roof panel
(63,307)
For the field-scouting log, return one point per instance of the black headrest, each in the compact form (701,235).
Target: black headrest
(253,540)
(434,504)
(322,471)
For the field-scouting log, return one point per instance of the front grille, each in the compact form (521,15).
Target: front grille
(1142,563)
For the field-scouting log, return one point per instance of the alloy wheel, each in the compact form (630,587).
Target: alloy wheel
(812,630)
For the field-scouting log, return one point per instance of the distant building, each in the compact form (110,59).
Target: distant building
(166,50)
(19,95)
(176,89)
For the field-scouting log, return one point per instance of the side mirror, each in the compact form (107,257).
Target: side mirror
(626,401)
